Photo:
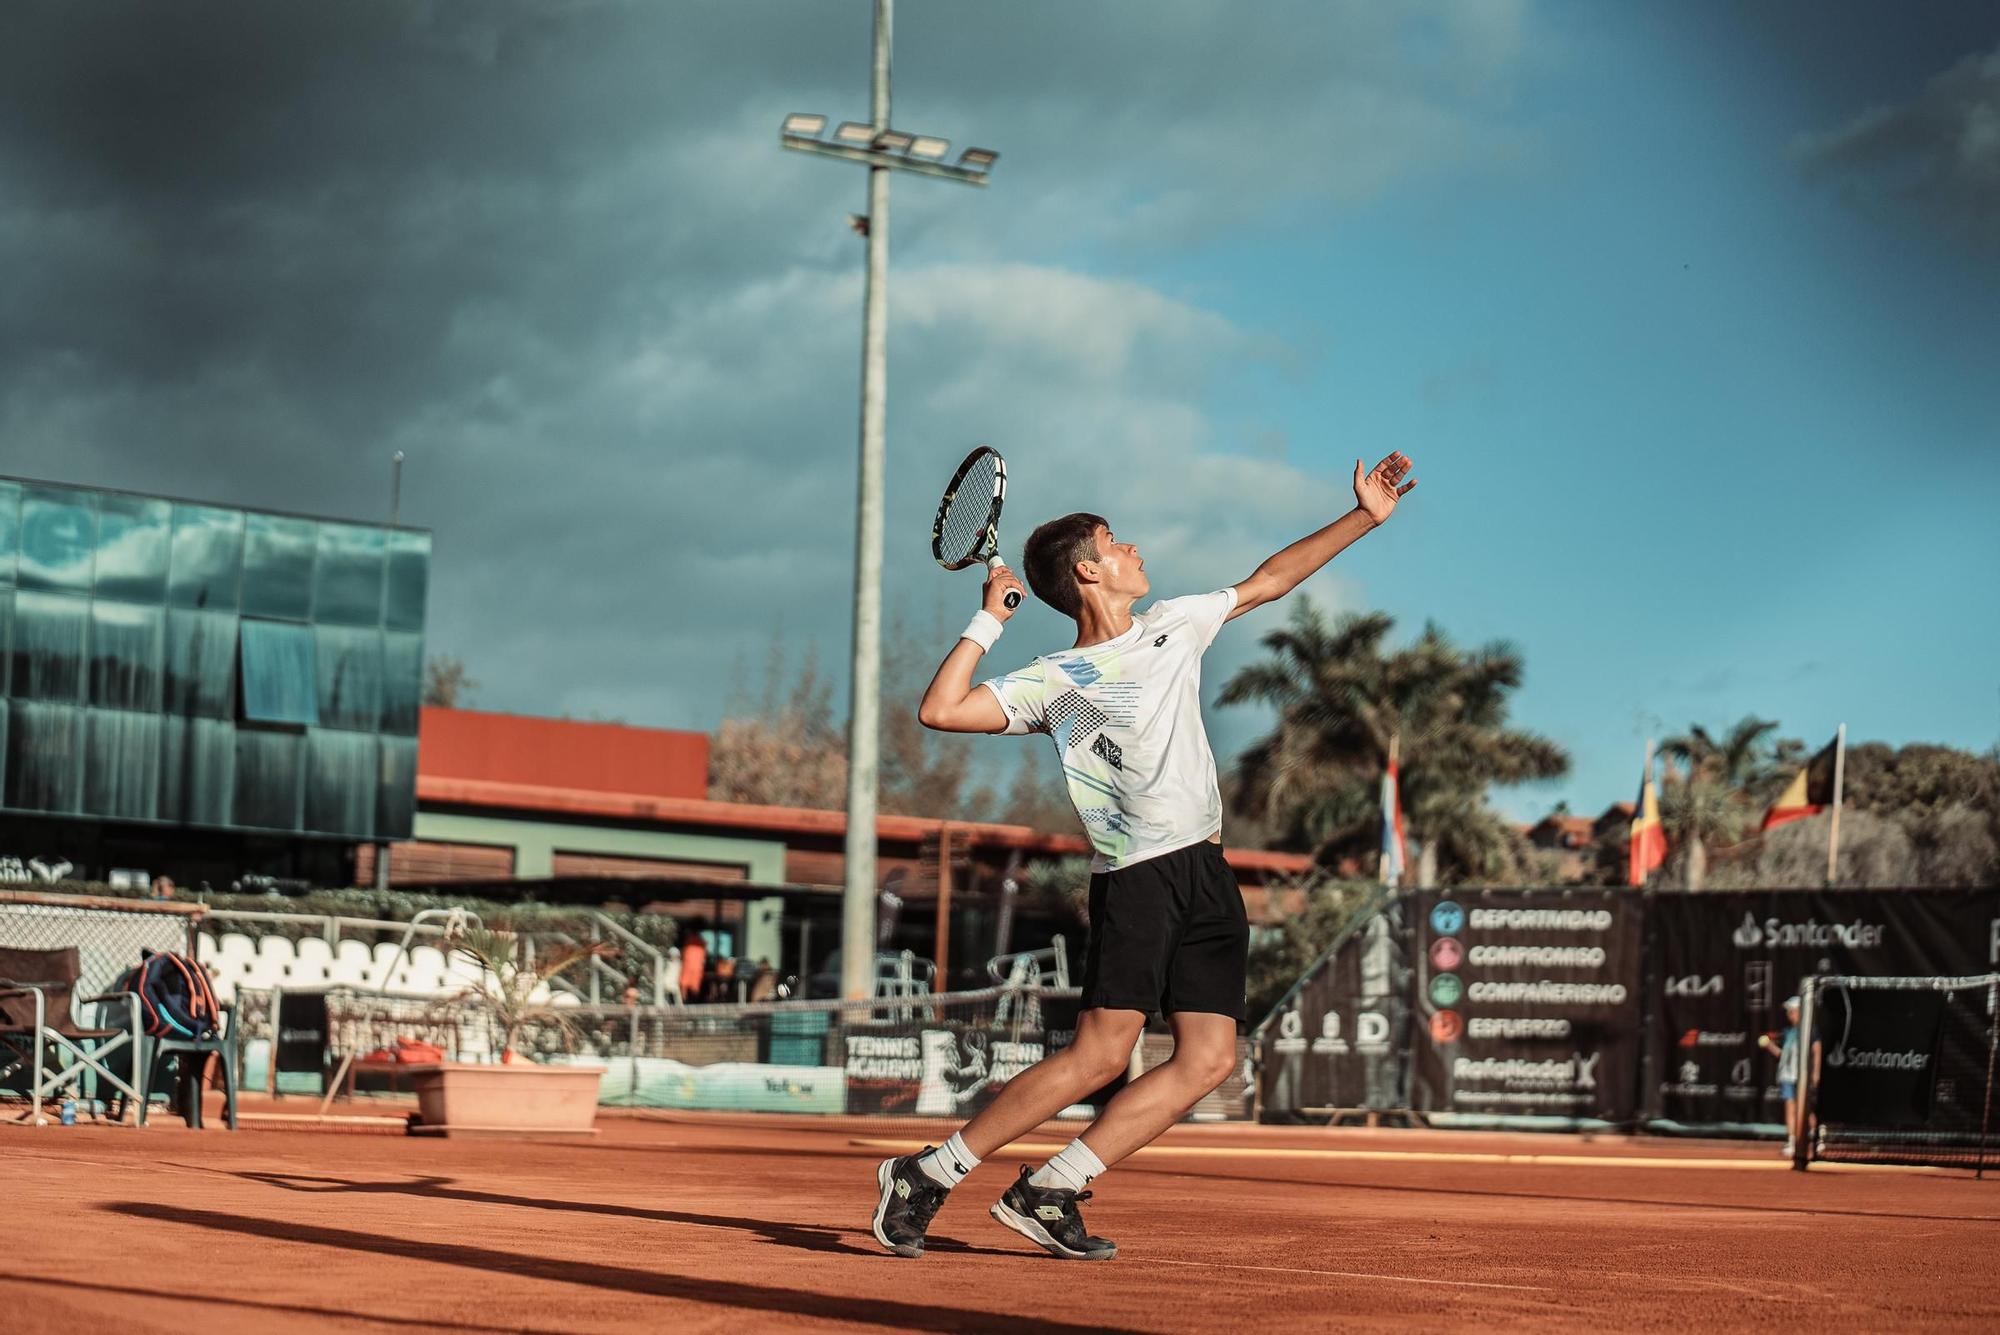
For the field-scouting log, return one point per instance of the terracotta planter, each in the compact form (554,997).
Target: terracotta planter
(518,1099)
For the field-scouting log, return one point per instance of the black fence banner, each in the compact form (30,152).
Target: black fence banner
(1527,1003)
(1339,1042)
(1594,1004)
(1722,966)
(1878,1055)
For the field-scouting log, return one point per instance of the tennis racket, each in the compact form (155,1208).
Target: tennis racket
(967,530)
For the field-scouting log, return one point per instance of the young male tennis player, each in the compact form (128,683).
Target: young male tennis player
(1167,929)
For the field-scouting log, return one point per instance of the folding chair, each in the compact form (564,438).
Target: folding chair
(37,1023)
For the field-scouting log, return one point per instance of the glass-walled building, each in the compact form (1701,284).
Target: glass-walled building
(194,689)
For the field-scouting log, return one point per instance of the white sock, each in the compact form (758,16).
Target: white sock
(948,1164)
(1071,1168)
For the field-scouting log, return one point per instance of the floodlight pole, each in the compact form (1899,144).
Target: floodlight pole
(864,711)
(857,915)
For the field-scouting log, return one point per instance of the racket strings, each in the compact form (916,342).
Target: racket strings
(963,530)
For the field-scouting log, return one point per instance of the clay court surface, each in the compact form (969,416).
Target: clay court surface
(692,1223)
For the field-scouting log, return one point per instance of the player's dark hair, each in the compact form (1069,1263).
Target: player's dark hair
(1050,556)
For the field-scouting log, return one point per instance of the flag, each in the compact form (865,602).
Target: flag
(1395,853)
(1810,791)
(1648,845)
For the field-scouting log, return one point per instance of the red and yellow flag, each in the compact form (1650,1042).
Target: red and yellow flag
(1648,847)
(1809,793)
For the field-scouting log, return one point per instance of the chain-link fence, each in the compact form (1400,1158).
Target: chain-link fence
(108,934)
(940,1057)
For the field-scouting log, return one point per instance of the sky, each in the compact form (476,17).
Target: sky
(1688,314)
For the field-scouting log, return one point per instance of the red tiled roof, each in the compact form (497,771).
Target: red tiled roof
(779,820)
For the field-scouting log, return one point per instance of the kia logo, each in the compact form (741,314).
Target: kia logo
(1694,985)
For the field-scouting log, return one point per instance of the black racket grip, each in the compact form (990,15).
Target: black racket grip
(1013,598)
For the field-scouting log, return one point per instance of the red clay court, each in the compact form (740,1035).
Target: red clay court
(695,1223)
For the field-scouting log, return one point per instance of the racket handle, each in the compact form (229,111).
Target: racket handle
(1013,598)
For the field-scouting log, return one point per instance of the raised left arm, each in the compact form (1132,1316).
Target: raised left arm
(1375,495)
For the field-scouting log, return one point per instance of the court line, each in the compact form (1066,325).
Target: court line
(1772,1165)
(1339,1274)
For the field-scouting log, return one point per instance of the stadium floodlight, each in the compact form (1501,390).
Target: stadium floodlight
(872,144)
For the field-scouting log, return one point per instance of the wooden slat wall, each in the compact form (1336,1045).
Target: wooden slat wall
(599,864)
(424,861)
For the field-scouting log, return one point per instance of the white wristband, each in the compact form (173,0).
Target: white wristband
(982,630)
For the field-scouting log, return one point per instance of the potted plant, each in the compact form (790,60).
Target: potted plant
(513,1097)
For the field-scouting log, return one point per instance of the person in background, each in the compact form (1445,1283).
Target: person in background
(694,961)
(1788,1070)
(764,984)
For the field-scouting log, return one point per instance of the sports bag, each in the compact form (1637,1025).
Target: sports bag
(175,1000)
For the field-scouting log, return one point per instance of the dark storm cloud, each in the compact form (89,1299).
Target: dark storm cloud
(552,251)
(1938,151)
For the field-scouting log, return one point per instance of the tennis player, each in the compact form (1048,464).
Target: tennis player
(1167,929)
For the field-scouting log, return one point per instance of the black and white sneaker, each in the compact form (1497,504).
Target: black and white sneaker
(910,1197)
(1048,1217)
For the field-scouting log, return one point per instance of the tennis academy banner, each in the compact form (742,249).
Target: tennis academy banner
(1338,1041)
(1527,1003)
(938,1067)
(1723,965)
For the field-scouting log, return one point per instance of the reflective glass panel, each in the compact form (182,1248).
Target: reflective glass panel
(44,756)
(350,677)
(267,778)
(396,807)
(121,766)
(409,580)
(341,778)
(126,646)
(347,579)
(58,531)
(49,632)
(207,565)
(133,538)
(197,770)
(10,529)
(278,672)
(402,682)
(277,566)
(201,664)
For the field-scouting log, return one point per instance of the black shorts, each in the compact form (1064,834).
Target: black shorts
(1168,934)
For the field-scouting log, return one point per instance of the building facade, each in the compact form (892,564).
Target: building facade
(203,691)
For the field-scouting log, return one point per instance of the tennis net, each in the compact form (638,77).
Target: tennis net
(1901,1070)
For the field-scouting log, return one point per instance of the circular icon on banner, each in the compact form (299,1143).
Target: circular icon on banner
(1446,989)
(1446,953)
(1446,1026)
(1447,918)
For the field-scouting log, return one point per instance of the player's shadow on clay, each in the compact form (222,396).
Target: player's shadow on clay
(803,1236)
(791,1298)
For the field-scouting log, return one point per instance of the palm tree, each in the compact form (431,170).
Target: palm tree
(1725,777)
(1340,697)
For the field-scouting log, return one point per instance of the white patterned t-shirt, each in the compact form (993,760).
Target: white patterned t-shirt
(1125,716)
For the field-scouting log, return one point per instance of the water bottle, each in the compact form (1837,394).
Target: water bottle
(69,1108)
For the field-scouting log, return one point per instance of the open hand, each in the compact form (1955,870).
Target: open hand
(1378,490)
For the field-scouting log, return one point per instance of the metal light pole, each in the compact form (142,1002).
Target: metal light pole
(882,150)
